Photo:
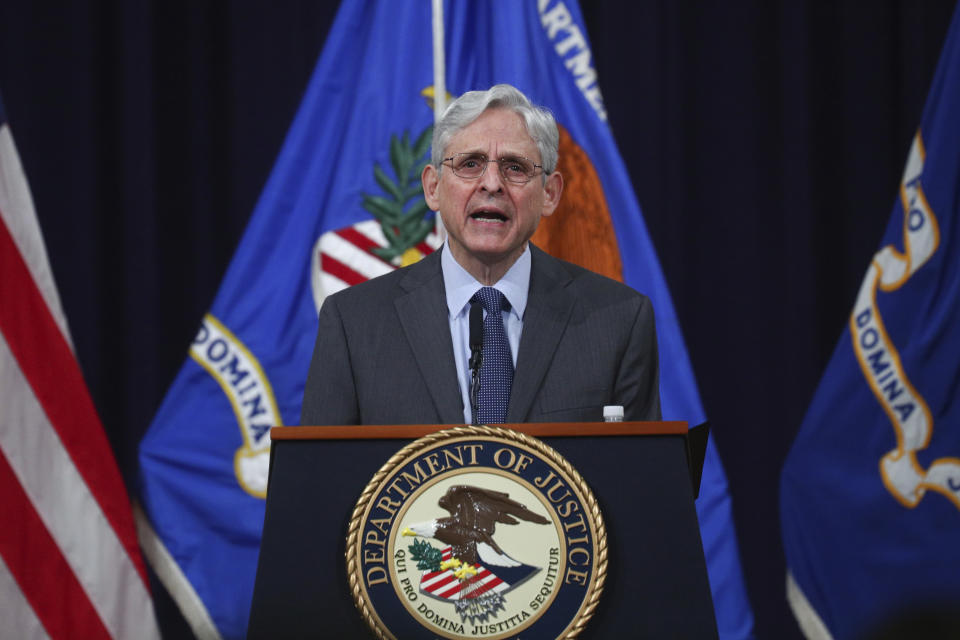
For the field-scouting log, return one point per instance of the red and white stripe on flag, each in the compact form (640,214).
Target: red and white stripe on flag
(69,562)
(444,584)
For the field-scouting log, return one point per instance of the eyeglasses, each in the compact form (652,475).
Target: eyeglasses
(471,166)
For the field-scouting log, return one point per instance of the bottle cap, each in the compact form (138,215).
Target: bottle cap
(612,412)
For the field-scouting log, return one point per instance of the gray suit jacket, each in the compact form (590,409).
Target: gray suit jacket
(384,354)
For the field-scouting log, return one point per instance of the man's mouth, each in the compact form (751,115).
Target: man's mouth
(488,215)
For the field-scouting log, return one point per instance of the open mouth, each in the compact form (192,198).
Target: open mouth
(485,215)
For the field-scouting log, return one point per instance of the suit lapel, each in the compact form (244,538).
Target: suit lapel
(423,315)
(549,306)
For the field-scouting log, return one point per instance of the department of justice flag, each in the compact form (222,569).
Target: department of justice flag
(344,204)
(870,493)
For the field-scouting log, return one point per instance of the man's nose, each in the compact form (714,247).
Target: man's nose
(491,180)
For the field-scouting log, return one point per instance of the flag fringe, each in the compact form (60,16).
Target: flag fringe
(810,622)
(173,579)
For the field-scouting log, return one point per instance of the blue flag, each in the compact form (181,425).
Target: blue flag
(342,205)
(870,492)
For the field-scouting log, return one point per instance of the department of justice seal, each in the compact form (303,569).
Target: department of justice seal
(476,532)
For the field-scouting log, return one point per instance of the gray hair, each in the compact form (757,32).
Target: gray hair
(464,110)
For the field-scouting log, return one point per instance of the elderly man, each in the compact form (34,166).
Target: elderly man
(558,342)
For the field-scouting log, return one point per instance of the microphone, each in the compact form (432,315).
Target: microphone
(476,356)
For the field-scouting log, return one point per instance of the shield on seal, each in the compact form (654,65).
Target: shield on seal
(446,586)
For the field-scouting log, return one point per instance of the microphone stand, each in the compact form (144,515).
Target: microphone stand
(476,356)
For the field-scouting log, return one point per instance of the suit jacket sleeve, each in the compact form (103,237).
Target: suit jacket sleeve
(329,396)
(637,385)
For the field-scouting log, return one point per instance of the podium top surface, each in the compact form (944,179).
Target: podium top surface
(538,429)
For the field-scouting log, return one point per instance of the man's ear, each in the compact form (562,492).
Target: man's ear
(552,190)
(430,178)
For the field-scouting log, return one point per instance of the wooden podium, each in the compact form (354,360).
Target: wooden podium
(640,473)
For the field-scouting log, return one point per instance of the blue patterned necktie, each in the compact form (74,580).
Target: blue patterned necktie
(496,370)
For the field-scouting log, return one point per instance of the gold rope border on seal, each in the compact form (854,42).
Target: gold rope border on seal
(354,533)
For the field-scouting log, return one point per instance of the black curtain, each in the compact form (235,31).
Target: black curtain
(765,141)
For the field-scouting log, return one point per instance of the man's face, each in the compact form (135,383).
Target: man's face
(489,219)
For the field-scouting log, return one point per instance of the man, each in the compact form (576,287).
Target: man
(559,342)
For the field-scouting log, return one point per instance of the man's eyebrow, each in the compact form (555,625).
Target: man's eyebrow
(506,155)
(471,152)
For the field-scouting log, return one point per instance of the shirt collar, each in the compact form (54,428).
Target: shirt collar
(460,285)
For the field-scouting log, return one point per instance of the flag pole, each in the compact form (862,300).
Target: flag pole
(439,71)
(439,83)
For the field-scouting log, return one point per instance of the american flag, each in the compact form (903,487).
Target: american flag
(69,562)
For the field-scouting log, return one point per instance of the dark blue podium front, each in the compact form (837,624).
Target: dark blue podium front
(656,584)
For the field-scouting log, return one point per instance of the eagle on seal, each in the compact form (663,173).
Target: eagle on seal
(474,513)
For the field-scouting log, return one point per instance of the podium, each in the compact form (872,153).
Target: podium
(640,473)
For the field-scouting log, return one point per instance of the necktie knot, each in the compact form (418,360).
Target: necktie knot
(491,299)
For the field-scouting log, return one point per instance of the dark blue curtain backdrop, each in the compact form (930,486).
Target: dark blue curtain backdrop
(765,141)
